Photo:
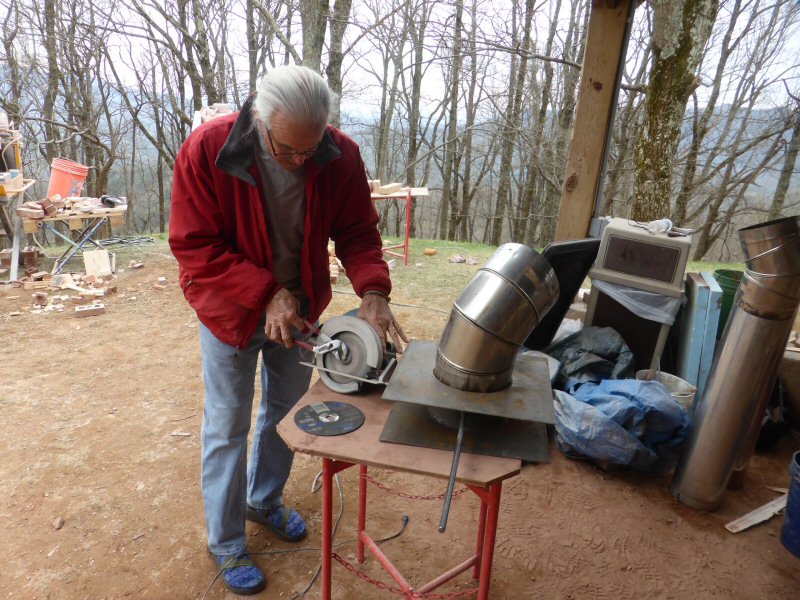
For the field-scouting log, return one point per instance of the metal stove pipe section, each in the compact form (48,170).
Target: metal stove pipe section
(492,317)
(747,360)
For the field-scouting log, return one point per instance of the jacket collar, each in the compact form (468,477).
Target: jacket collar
(237,154)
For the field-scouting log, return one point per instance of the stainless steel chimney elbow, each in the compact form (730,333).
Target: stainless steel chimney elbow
(492,317)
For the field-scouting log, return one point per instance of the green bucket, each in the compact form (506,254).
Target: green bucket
(729,281)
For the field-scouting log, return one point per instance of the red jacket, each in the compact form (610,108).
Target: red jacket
(217,227)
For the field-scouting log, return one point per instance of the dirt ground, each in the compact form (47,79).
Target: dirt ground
(101,419)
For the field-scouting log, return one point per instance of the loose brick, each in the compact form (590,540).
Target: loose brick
(90,310)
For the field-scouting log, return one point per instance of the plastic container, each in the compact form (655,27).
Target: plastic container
(729,281)
(659,226)
(66,178)
(681,390)
(790,534)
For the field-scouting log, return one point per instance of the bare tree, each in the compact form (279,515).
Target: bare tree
(512,124)
(789,160)
(680,31)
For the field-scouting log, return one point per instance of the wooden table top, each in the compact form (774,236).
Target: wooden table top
(80,214)
(363,446)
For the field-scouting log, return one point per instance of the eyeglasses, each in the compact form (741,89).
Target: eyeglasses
(290,153)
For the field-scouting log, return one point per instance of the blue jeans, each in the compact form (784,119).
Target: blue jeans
(227,483)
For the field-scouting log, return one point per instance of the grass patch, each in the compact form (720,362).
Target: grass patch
(428,280)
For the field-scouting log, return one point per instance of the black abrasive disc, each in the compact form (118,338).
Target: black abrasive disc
(329,418)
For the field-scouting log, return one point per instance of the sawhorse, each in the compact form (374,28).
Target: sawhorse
(74,246)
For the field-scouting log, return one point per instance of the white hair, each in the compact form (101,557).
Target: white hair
(297,92)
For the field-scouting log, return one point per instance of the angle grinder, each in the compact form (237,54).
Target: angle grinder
(348,353)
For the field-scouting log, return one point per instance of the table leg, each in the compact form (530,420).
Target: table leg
(19,233)
(479,546)
(492,511)
(362,511)
(84,237)
(408,225)
(327,524)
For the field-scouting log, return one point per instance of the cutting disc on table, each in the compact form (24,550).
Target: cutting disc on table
(329,418)
(364,353)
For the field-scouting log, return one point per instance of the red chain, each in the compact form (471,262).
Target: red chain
(396,590)
(386,488)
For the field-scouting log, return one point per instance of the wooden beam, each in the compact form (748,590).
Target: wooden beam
(596,97)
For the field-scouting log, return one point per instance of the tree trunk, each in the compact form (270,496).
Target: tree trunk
(313,14)
(526,222)
(513,121)
(466,186)
(681,29)
(449,215)
(416,28)
(702,122)
(341,12)
(789,160)
(53,70)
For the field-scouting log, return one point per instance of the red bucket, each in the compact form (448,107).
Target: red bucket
(66,178)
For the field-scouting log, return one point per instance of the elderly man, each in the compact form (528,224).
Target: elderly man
(256,196)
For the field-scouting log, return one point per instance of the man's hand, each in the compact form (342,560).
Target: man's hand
(375,310)
(282,318)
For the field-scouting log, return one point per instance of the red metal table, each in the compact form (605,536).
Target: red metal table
(407,194)
(483,475)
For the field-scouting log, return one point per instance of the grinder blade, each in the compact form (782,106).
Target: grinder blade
(364,353)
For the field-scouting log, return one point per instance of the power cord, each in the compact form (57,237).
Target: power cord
(314,489)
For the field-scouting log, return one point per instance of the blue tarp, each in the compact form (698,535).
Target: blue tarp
(621,422)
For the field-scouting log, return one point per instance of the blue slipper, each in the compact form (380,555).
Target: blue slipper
(240,574)
(283,521)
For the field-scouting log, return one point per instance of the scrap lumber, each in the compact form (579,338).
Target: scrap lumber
(97,263)
(62,280)
(759,515)
(30,213)
(389,188)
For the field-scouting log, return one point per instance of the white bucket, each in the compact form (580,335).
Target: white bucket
(681,390)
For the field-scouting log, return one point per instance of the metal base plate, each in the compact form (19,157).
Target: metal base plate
(412,424)
(528,398)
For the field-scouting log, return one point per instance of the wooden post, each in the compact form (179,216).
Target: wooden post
(596,97)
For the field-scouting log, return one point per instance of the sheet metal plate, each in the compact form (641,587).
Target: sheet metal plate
(528,398)
(411,424)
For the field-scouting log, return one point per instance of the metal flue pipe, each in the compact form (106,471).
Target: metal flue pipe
(492,317)
(747,360)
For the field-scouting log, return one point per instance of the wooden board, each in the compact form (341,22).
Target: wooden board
(759,515)
(389,188)
(596,95)
(403,193)
(97,262)
(363,446)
